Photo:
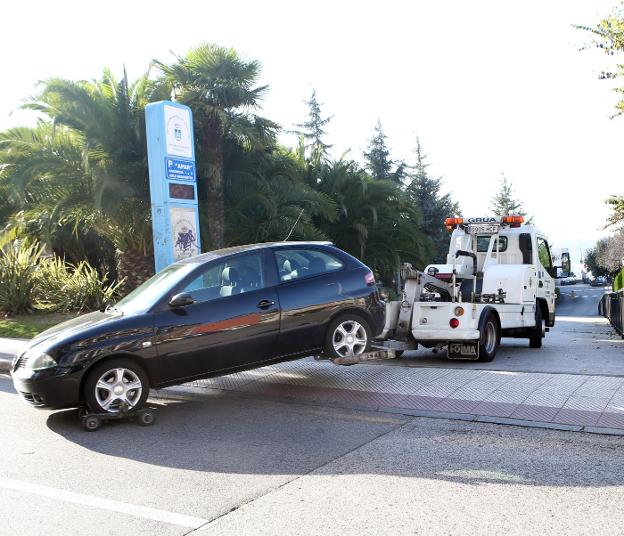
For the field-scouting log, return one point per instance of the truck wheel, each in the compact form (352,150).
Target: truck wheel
(116,385)
(490,339)
(348,335)
(537,333)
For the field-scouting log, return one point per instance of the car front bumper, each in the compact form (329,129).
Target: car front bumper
(53,388)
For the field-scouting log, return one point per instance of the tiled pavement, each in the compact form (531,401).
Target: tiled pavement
(584,402)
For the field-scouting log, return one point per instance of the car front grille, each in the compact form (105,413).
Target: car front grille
(32,398)
(20,363)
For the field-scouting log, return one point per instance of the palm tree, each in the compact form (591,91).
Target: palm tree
(221,90)
(267,199)
(42,180)
(103,122)
(375,220)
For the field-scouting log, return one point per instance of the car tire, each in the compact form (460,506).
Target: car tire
(537,333)
(347,335)
(490,339)
(116,385)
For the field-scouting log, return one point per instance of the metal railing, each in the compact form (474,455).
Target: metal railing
(612,306)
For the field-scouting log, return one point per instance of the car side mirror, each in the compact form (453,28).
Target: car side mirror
(181,300)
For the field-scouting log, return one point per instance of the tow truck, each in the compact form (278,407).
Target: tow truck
(498,281)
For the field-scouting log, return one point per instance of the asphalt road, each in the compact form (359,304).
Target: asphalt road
(229,463)
(233,465)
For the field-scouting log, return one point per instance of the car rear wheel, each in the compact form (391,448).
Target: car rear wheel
(116,385)
(347,336)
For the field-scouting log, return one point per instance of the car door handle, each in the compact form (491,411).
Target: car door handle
(264,304)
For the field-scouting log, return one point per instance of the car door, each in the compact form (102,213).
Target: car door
(311,290)
(545,275)
(233,322)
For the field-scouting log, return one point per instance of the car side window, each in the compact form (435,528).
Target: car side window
(543,252)
(301,262)
(227,278)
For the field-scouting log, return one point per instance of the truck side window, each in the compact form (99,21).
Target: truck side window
(526,248)
(543,253)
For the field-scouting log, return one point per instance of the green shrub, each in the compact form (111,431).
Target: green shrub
(63,287)
(18,276)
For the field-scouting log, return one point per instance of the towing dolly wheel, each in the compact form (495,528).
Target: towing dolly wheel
(147,418)
(91,423)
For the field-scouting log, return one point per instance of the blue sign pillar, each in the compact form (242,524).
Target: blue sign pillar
(173,185)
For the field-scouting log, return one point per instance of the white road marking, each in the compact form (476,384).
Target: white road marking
(106,504)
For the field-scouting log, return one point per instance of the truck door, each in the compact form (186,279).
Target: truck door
(546,273)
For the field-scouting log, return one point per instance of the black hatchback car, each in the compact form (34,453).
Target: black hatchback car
(213,314)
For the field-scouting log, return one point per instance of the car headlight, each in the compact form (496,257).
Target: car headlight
(40,361)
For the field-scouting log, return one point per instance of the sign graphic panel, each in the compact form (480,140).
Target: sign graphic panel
(178,131)
(184,233)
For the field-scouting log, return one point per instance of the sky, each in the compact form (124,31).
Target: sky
(489,87)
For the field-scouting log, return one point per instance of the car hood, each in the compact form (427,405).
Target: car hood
(71,329)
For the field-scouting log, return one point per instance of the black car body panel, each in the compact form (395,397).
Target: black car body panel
(271,320)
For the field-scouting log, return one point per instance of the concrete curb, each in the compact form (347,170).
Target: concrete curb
(203,392)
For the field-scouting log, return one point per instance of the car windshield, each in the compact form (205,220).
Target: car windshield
(146,295)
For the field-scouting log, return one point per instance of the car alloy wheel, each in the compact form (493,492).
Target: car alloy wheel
(117,389)
(350,338)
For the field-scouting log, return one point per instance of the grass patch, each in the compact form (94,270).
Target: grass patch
(27,326)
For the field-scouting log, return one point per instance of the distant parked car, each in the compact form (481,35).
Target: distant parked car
(216,313)
(600,281)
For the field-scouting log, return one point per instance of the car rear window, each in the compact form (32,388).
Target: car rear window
(301,262)
(483,242)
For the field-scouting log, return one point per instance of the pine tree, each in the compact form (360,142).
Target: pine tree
(378,161)
(503,203)
(434,207)
(377,158)
(311,133)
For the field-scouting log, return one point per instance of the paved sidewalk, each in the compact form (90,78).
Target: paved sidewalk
(567,401)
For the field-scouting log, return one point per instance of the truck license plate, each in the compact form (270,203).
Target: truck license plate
(483,229)
(463,350)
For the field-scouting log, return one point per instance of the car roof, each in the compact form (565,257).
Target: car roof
(210,255)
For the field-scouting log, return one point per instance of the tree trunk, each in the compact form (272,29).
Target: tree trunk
(209,139)
(135,267)
(216,205)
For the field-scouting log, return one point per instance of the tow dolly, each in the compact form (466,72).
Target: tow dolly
(498,281)
(93,421)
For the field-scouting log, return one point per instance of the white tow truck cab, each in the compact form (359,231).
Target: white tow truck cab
(498,280)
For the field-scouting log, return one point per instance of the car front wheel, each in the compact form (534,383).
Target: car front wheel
(116,385)
(348,335)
